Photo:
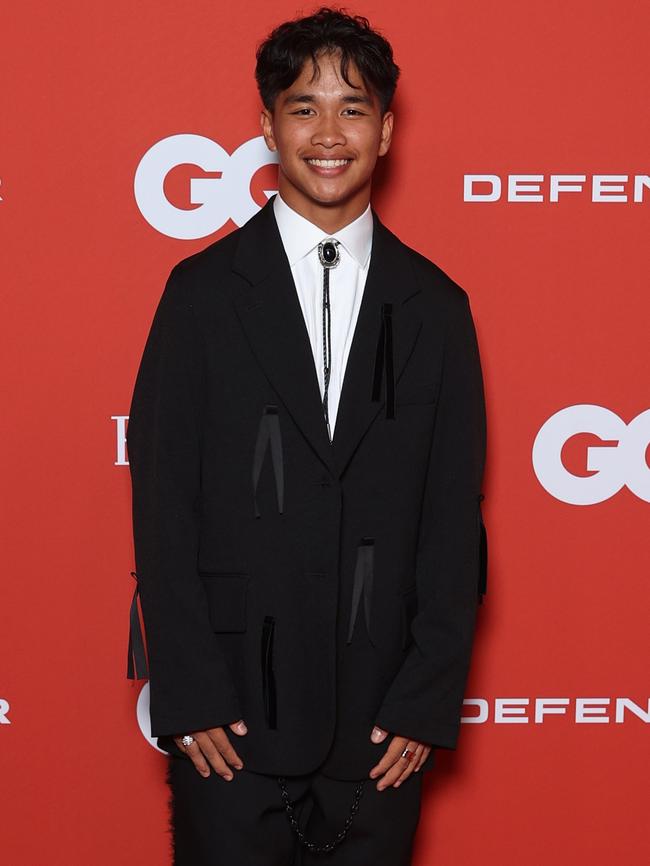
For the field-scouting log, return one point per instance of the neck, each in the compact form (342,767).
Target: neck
(328,217)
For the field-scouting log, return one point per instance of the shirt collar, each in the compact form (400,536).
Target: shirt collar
(300,236)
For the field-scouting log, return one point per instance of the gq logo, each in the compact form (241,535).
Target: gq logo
(621,462)
(228,196)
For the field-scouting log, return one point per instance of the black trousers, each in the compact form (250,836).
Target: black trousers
(244,822)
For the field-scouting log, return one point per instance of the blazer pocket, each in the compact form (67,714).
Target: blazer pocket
(410,394)
(227,595)
(409,607)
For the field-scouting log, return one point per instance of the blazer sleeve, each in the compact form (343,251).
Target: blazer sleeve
(424,700)
(190,685)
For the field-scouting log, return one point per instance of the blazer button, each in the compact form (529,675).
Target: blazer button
(324,482)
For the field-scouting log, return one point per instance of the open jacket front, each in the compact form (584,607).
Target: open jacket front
(313,589)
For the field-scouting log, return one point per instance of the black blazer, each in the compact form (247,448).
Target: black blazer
(312,588)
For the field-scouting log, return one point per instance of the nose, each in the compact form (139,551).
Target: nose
(328,132)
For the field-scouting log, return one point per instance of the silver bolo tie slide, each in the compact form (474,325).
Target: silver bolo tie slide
(329,257)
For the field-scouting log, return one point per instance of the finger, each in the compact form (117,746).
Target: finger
(225,747)
(195,754)
(425,755)
(213,755)
(392,753)
(398,766)
(410,767)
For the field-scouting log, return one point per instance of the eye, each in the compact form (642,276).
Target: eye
(302,111)
(354,111)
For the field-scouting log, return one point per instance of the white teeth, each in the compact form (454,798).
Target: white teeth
(328,163)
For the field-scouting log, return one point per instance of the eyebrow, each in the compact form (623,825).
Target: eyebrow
(307,97)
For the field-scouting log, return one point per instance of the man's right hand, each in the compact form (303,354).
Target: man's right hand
(214,746)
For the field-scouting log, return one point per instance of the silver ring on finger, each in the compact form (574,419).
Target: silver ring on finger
(187,740)
(408,754)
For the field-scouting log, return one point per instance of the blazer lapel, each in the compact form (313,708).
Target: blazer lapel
(272,318)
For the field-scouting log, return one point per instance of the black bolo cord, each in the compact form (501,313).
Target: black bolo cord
(328,254)
(327,344)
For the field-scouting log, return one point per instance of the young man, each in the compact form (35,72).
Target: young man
(306,442)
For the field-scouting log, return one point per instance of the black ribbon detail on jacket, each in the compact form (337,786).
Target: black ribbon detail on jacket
(483,553)
(136,666)
(363,580)
(268,676)
(384,361)
(269,431)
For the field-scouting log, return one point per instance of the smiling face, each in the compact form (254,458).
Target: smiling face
(328,136)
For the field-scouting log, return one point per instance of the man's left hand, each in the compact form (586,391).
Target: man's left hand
(393,769)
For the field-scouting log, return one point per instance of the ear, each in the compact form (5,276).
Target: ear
(386,133)
(266,122)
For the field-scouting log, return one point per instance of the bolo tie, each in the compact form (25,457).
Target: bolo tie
(329,257)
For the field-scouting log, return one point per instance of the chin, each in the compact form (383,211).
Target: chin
(330,196)
(333,199)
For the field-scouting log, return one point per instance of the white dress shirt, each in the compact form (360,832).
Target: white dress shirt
(300,238)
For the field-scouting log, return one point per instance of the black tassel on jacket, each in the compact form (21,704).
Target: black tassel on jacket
(384,361)
(362,585)
(136,666)
(269,432)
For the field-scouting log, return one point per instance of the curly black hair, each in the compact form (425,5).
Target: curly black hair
(282,55)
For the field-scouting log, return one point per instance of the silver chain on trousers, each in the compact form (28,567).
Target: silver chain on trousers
(324,847)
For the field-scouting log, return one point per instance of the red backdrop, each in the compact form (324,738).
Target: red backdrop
(559,291)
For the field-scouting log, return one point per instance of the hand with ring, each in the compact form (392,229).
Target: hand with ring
(212,748)
(403,757)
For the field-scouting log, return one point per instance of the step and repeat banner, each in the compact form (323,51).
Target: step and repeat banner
(130,139)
